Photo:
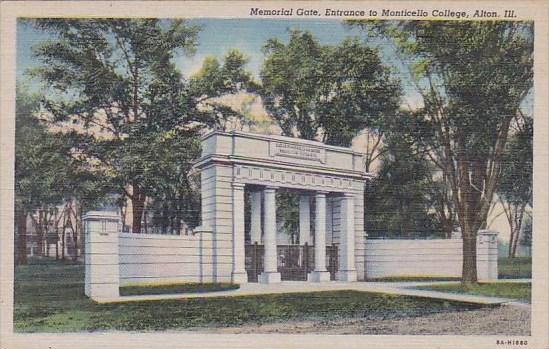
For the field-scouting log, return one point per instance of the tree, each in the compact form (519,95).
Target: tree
(175,195)
(30,166)
(515,187)
(398,199)
(473,77)
(331,92)
(116,81)
(215,81)
(47,173)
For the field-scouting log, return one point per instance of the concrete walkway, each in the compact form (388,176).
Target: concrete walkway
(396,288)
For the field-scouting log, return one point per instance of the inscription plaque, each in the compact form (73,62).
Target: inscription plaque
(297,151)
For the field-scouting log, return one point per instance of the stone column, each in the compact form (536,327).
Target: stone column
(304,220)
(270,271)
(255,221)
(238,275)
(347,268)
(102,273)
(320,273)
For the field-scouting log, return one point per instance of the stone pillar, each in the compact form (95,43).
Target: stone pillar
(255,222)
(102,274)
(270,271)
(487,255)
(304,220)
(320,273)
(347,268)
(238,274)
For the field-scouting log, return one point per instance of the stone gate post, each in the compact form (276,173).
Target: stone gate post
(102,276)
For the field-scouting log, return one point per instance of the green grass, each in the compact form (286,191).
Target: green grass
(49,297)
(418,278)
(518,291)
(177,288)
(515,268)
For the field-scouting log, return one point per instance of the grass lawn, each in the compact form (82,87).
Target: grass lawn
(518,291)
(515,268)
(176,288)
(414,278)
(49,297)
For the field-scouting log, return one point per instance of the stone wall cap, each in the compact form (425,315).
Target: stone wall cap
(281,139)
(101,215)
(488,232)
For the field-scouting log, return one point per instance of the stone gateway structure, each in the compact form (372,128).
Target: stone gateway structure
(240,240)
(328,178)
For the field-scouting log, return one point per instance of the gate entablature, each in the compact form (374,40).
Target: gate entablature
(289,162)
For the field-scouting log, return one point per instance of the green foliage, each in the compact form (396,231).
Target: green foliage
(515,185)
(215,80)
(116,79)
(332,91)
(515,268)
(138,118)
(402,198)
(398,203)
(48,171)
(287,212)
(41,159)
(526,237)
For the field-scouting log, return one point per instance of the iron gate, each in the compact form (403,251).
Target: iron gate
(294,262)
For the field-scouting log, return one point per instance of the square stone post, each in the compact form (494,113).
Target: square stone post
(304,220)
(255,221)
(270,271)
(347,268)
(320,273)
(238,275)
(487,255)
(102,273)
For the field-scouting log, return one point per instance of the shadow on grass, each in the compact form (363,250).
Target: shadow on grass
(177,288)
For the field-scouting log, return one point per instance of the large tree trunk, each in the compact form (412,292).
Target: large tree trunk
(469,273)
(21,216)
(138,206)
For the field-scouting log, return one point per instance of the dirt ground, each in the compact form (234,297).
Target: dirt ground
(504,320)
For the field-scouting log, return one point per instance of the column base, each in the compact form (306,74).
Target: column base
(239,278)
(269,278)
(346,275)
(318,276)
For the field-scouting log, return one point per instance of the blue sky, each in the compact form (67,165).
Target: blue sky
(217,37)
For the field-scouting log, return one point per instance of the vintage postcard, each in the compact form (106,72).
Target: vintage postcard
(237,174)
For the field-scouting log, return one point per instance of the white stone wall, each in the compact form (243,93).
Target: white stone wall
(159,258)
(440,257)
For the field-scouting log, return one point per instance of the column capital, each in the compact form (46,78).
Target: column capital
(321,193)
(270,188)
(238,185)
(348,195)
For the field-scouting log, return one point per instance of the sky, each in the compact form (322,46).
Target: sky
(217,36)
